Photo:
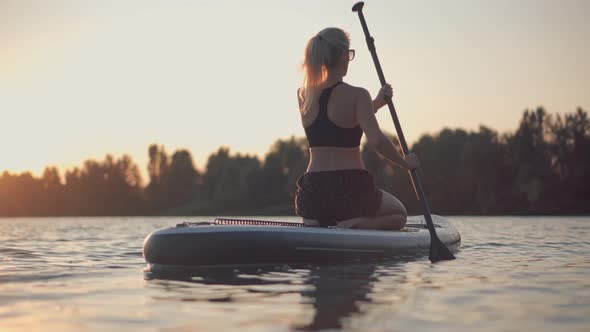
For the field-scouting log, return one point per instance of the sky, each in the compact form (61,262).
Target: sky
(80,79)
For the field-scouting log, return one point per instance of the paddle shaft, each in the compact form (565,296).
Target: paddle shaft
(400,134)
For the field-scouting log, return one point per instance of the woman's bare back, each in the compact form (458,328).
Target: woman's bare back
(341,112)
(341,108)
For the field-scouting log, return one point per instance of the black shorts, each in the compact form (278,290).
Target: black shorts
(333,196)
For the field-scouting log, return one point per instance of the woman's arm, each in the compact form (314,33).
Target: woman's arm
(375,137)
(381,100)
(377,105)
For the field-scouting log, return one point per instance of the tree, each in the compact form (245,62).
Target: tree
(530,156)
(569,143)
(181,178)
(53,191)
(283,164)
(110,187)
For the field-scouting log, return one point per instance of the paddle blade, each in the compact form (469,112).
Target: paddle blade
(439,252)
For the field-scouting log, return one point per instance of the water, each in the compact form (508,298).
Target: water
(511,274)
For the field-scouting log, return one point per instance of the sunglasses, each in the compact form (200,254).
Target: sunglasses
(350,55)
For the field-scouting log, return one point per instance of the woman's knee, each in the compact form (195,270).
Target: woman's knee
(391,205)
(398,221)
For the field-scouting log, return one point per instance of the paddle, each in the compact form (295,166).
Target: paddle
(438,251)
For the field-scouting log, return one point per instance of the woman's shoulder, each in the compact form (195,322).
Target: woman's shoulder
(354,91)
(351,90)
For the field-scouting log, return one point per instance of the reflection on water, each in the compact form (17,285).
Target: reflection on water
(511,274)
(336,296)
(330,293)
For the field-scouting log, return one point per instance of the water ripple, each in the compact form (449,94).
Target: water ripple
(511,274)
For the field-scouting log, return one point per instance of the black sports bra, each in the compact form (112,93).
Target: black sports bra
(324,132)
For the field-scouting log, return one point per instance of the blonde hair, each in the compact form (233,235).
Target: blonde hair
(321,52)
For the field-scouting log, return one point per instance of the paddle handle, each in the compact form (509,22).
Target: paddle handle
(400,134)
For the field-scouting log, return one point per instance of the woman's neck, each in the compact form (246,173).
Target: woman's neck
(331,80)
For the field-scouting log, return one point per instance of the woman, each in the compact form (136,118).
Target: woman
(336,190)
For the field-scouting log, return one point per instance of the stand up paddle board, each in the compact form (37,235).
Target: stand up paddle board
(247,242)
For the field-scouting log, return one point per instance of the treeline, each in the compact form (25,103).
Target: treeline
(541,168)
